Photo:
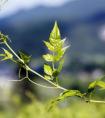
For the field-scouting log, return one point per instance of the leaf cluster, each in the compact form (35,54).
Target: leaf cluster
(7,55)
(3,38)
(56,48)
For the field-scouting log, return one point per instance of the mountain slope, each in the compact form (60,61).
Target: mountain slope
(78,20)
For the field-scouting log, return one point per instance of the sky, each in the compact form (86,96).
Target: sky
(9,7)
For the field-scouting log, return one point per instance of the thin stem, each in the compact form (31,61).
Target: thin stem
(17,80)
(96,101)
(53,62)
(19,73)
(33,83)
(27,73)
(53,65)
(41,84)
(57,80)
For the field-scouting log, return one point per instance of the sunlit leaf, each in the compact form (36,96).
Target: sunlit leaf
(48,57)
(69,93)
(57,51)
(58,46)
(64,95)
(55,34)
(101,84)
(7,55)
(49,46)
(3,38)
(94,84)
(59,55)
(48,69)
(47,77)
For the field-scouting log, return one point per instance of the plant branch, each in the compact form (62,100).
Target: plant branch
(31,70)
(33,83)
(41,84)
(46,79)
(17,80)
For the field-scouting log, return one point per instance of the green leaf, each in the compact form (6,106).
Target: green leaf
(64,95)
(26,58)
(55,34)
(95,84)
(57,45)
(48,70)
(101,84)
(59,55)
(47,77)
(69,93)
(57,50)
(7,55)
(48,57)
(92,86)
(49,46)
(3,38)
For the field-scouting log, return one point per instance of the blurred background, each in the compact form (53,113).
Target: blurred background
(28,23)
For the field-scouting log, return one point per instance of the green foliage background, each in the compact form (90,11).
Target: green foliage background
(38,110)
